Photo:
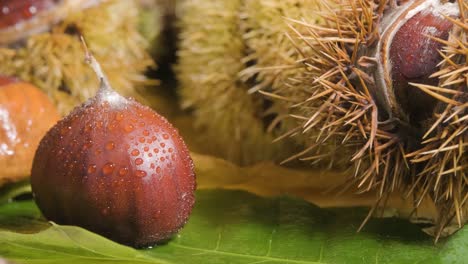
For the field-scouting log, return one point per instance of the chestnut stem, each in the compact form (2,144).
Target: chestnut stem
(89,58)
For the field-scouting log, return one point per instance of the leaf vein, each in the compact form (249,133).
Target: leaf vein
(266,258)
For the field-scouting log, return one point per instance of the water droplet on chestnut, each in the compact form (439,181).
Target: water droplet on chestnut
(140,173)
(108,168)
(119,116)
(129,128)
(91,169)
(123,171)
(139,161)
(99,201)
(110,145)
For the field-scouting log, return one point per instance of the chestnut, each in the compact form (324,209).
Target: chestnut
(21,19)
(414,58)
(26,113)
(407,51)
(117,168)
(14,12)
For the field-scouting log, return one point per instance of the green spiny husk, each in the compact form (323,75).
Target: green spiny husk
(54,61)
(211,56)
(156,18)
(272,56)
(275,66)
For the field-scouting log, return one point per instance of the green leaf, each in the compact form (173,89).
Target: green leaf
(271,180)
(21,217)
(236,227)
(12,190)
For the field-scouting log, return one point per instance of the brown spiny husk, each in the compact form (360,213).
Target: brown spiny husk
(337,106)
(54,62)
(443,156)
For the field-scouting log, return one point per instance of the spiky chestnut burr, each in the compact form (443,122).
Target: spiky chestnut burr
(157,25)
(270,66)
(224,113)
(269,61)
(117,168)
(25,116)
(361,69)
(219,41)
(44,48)
(270,53)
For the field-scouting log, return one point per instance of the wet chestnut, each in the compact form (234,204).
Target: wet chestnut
(21,18)
(26,113)
(14,12)
(117,168)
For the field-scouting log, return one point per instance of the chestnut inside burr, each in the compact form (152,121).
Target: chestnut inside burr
(414,56)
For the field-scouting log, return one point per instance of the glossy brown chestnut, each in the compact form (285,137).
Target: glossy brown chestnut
(20,19)
(407,52)
(414,56)
(117,168)
(13,12)
(26,113)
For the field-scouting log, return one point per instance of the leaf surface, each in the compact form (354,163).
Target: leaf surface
(236,227)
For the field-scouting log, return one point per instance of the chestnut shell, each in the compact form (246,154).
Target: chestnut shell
(26,113)
(117,168)
(415,57)
(20,19)
(13,12)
